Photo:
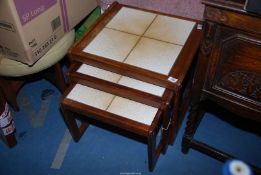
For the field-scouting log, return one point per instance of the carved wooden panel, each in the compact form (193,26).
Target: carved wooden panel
(210,30)
(243,83)
(235,67)
(239,21)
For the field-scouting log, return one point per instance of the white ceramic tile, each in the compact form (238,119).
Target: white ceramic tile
(170,29)
(122,80)
(99,73)
(154,55)
(142,86)
(133,110)
(112,44)
(90,96)
(131,21)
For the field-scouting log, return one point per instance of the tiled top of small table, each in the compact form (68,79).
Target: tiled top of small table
(122,80)
(129,109)
(120,85)
(135,42)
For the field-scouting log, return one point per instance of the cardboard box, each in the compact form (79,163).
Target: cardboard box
(29,28)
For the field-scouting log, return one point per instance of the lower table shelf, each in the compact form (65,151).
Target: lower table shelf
(137,118)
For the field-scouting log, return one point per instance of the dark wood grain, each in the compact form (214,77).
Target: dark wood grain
(228,71)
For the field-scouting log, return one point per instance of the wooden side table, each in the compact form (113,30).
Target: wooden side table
(228,70)
(131,62)
(152,47)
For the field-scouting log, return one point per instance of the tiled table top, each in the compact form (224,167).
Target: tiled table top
(136,38)
(120,79)
(90,96)
(114,104)
(142,39)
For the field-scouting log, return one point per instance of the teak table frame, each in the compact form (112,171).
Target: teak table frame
(171,106)
(179,71)
(161,120)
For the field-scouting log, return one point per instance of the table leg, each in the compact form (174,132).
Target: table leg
(195,116)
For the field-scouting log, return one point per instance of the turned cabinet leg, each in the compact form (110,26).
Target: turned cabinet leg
(195,116)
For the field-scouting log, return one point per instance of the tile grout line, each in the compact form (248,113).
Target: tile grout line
(166,42)
(121,31)
(110,102)
(144,37)
(140,36)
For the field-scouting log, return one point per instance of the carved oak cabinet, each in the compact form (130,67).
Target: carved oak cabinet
(229,68)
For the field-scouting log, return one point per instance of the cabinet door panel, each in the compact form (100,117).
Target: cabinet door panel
(235,71)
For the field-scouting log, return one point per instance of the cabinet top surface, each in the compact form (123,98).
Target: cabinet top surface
(228,4)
